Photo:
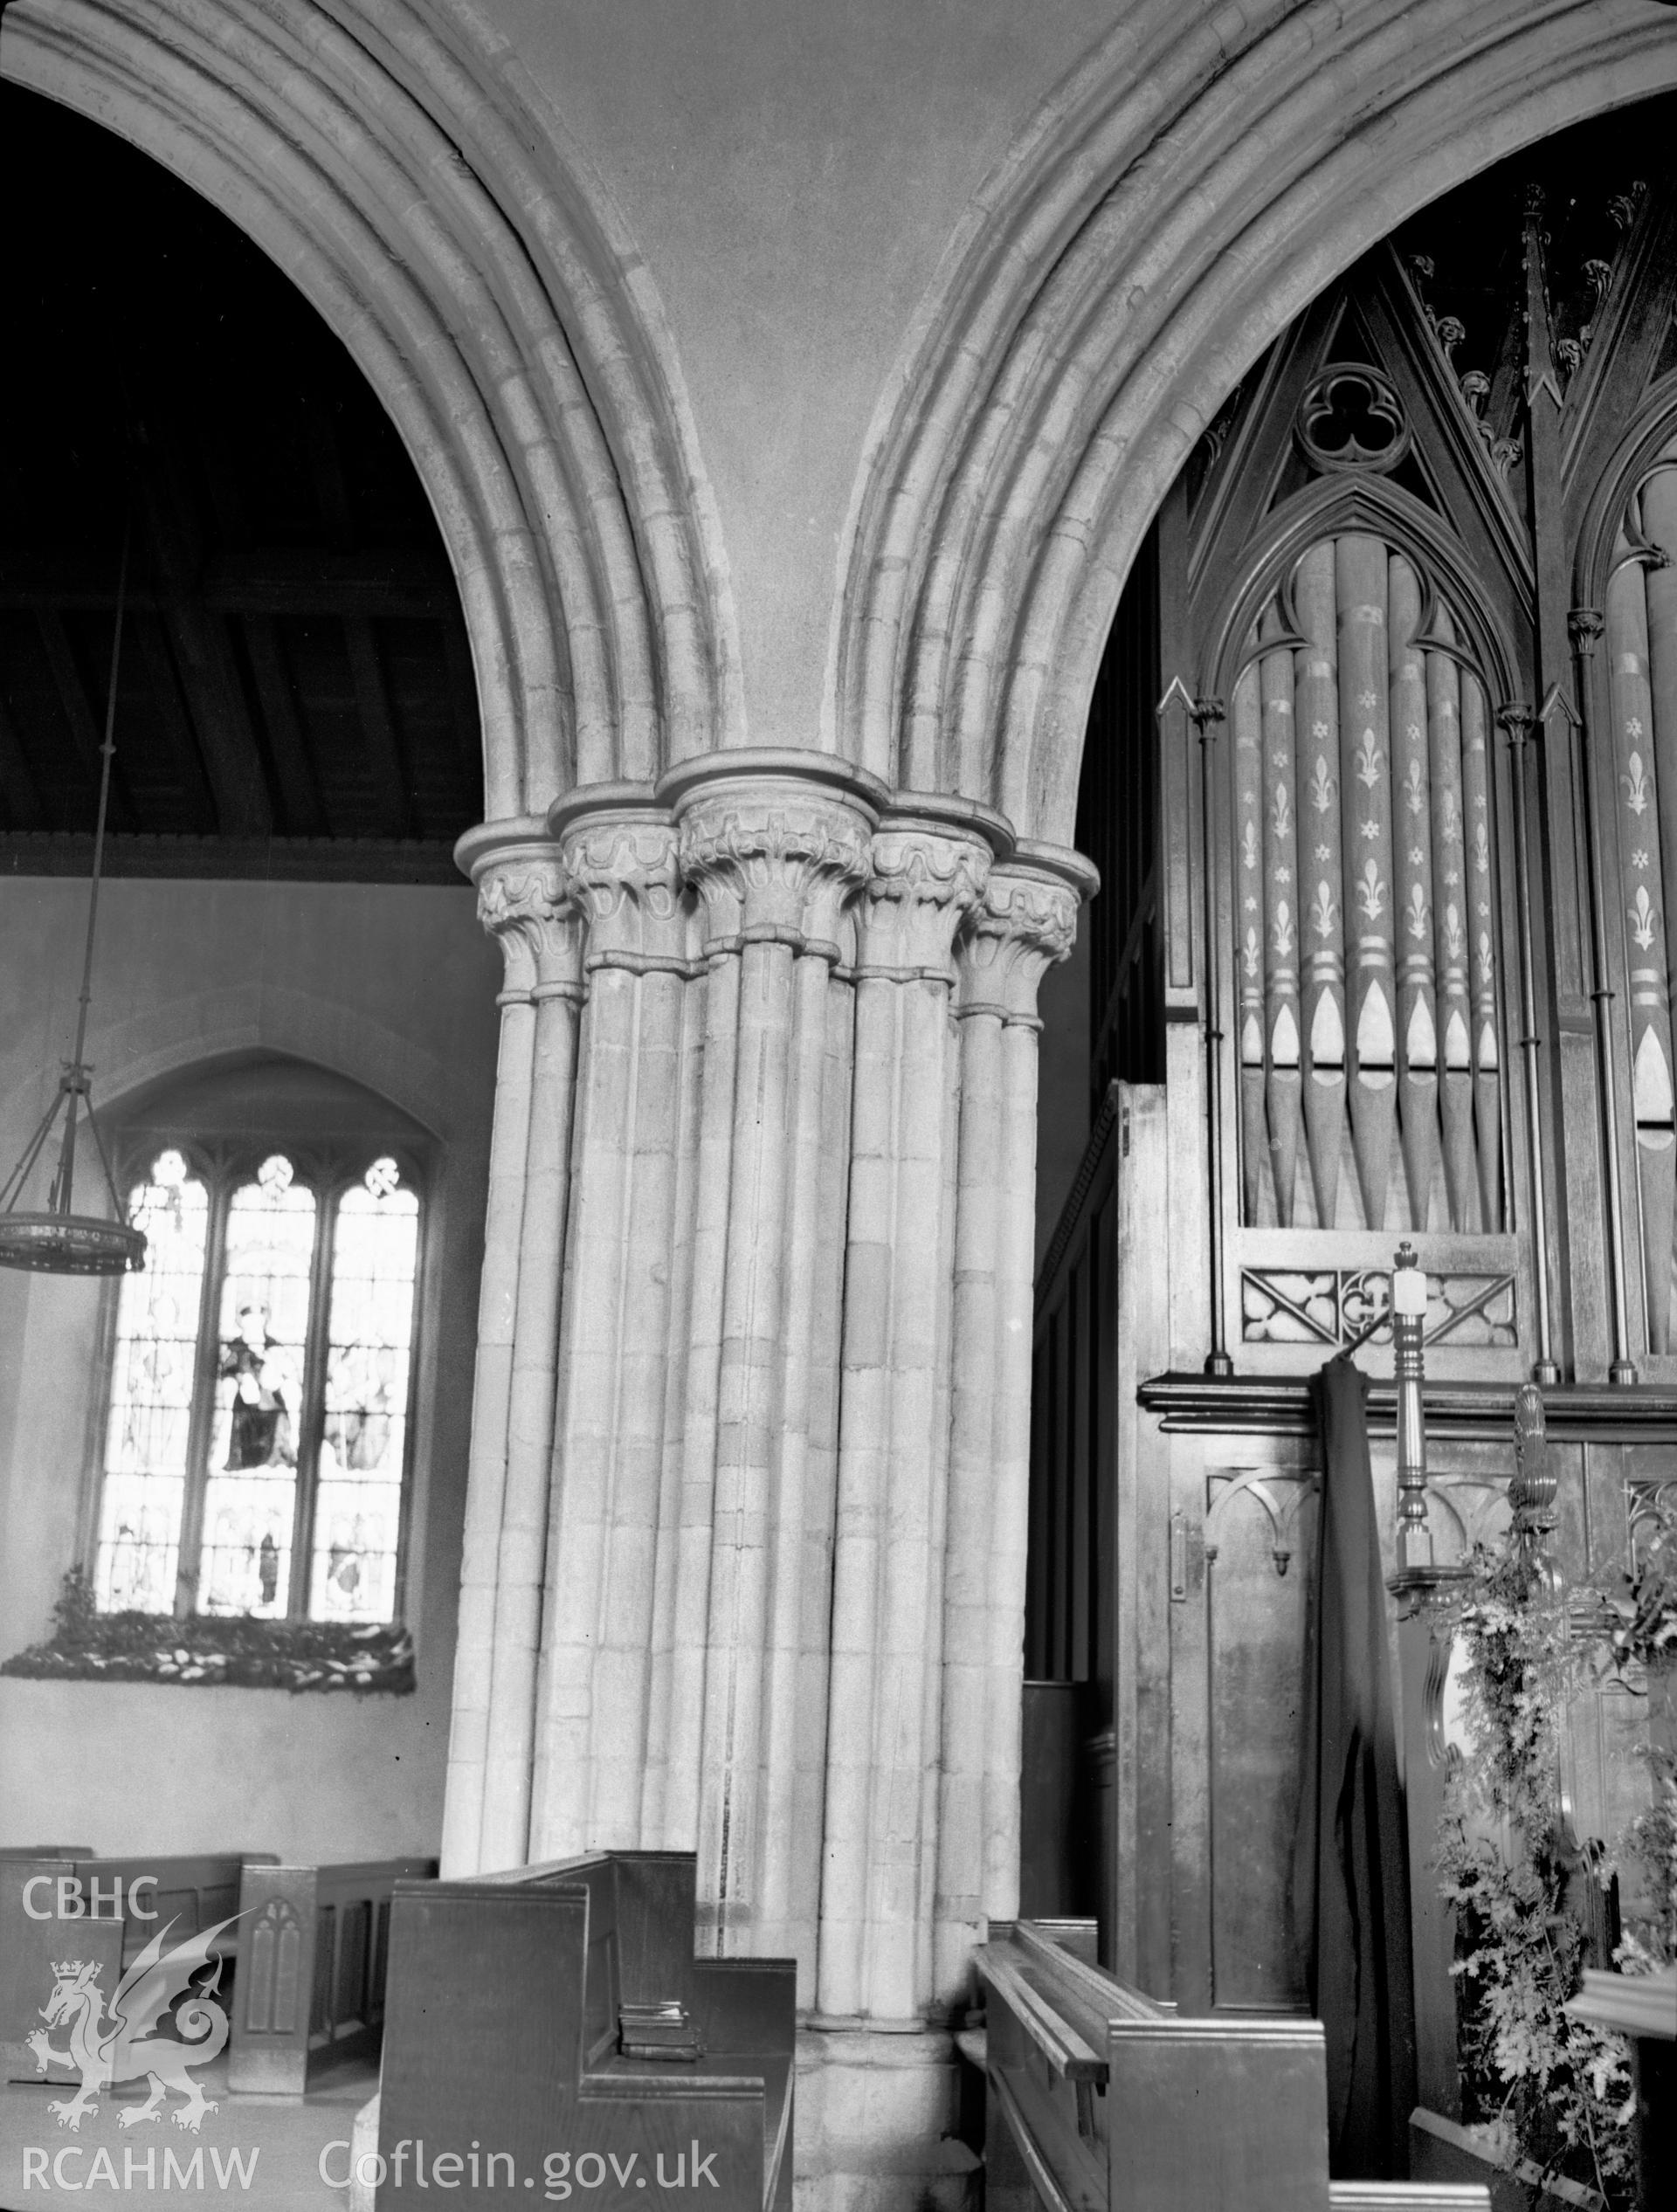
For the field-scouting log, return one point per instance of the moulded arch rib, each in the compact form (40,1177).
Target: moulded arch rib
(386,154)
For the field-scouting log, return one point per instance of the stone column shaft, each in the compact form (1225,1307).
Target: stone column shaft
(607,1437)
(1024,923)
(523,902)
(505,1838)
(774,864)
(675,1737)
(487,1462)
(875,1954)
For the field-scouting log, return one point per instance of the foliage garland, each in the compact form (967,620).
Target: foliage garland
(208,1650)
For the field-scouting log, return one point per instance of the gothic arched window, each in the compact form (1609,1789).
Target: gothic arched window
(255,1445)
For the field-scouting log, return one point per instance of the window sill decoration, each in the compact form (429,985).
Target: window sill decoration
(207,1650)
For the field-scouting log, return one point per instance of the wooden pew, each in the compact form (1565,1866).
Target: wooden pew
(555,2020)
(28,1946)
(1098,2097)
(193,1891)
(314,1953)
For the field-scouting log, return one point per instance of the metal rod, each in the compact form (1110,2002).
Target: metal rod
(13,1183)
(76,1081)
(1516,721)
(108,754)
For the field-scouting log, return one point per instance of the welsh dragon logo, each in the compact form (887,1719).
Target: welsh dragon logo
(120,2045)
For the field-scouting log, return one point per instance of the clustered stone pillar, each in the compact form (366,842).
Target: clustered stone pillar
(745,1551)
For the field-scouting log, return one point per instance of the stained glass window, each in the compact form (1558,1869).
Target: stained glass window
(259,1386)
(358,1493)
(149,1429)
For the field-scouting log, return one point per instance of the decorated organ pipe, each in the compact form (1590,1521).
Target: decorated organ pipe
(1642,679)
(1317,713)
(1366,939)
(1481,885)
(1449,936)
(1365,788)
(1283,875)
(1250,924)
(1418,1029)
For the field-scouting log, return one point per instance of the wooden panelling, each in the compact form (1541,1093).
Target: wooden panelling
(1260,1532)
(96,1918)
(310,1991)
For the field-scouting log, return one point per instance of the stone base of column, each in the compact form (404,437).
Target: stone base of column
(875,2124)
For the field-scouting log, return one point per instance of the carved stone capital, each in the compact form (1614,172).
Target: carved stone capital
(1025,922)
(774,841)
(524,902)
(774,867)
(929,865)
(623,866)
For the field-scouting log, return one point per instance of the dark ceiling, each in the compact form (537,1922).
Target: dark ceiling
(295,696)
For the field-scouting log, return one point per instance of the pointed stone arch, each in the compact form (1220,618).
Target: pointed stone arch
(1185,193)
(391,158)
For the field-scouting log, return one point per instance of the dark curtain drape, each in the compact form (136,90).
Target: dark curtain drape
(1350,1886)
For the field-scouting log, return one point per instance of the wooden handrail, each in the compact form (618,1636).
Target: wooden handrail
(1069,2058)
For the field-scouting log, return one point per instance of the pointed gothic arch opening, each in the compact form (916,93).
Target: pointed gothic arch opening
(1507,508)
(1376,744)
(386,158)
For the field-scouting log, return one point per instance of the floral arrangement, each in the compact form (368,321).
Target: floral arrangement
(206,1651)
(1560,2088)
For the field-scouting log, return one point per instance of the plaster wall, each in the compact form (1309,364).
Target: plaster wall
(791,172)
(393,987)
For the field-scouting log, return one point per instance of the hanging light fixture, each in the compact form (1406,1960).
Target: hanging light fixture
(60,1241)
